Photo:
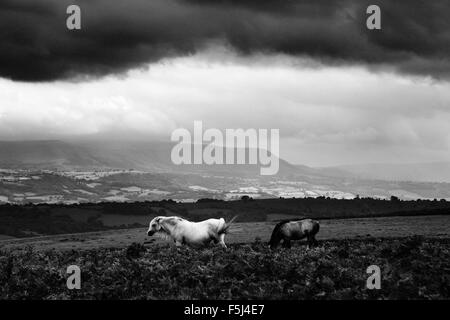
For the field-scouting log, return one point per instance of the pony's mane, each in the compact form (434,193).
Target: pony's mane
(281,223)
(163,233)
(171,219)
(284,221)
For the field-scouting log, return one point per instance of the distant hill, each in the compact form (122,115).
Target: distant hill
(418,172)
(154,156)
(45,154)
(147,156)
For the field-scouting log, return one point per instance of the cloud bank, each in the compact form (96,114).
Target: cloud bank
(326,116)
(116,36)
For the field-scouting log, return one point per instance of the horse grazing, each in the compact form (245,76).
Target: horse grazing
(182,231)
(288,230)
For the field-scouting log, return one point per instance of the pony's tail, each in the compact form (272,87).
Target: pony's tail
(227,225)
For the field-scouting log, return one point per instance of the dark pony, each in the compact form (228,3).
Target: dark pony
(288,230)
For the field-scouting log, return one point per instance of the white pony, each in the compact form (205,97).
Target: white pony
(182,231)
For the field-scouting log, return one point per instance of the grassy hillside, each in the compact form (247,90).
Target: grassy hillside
(245,232)
(48,219)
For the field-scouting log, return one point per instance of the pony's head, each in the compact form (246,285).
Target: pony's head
(154,226)
(275,239)
(277,235)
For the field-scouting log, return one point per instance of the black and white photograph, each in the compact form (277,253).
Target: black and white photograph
(224,150)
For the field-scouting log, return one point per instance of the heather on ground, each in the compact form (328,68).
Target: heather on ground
(411,268)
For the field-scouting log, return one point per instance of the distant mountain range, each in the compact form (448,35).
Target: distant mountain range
(418,172)
(155,157)
(58,171)
(145,156)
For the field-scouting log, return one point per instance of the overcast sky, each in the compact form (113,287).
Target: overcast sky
(338,92)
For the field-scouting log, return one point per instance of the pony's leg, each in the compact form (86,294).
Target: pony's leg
(222,241)
(311,242)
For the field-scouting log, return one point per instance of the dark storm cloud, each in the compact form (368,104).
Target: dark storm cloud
(118,35)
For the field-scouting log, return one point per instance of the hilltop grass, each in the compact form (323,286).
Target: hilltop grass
(412,268)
